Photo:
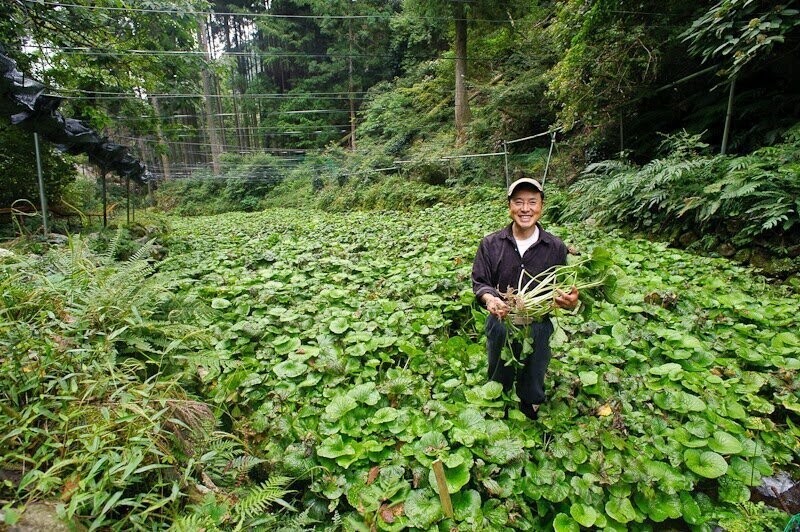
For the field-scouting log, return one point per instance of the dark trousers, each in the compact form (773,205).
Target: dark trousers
(529,377)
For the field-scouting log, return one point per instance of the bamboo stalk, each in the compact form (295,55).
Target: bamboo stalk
(444,495)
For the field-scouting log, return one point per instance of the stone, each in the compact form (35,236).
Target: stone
(40,517)
(58,239)
(726,250)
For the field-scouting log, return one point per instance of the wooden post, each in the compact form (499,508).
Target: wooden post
(105,199)
(444,494)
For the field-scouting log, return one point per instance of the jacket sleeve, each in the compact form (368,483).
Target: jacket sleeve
(482,273)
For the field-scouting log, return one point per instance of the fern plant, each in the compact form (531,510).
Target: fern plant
(94,407)
(742,200)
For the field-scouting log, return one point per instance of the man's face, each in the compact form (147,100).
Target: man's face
(525,208)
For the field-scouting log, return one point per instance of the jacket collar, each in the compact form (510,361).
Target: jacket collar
(508,234)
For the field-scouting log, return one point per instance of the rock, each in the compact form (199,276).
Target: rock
(40,517)
(743,256)
(58,239)
(726,250)
(780,491)
(688,238)
(158,252)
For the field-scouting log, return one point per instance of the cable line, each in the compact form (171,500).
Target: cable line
(87,51)
(251,15)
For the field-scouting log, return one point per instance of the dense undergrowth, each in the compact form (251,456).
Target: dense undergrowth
(747,207)
(97,411)
(343,352)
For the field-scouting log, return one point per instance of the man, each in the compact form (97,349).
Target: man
(501,257)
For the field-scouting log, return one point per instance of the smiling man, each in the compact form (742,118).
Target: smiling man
(501,257)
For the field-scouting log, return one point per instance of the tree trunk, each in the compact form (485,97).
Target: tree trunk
(462,103)
(208,94)
(350,88)
(163,146)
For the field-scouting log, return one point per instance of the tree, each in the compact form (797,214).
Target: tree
(460,12)
(738,33)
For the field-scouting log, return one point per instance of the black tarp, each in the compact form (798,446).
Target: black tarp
(24,102)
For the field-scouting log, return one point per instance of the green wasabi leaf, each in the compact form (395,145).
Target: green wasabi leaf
(338,407)
(339,325)
(334,447)
(584,514)
(725,443)
(620,509)
(707,464)
(588,378)
(466,505)
(422,507)
(289,369)
(564,523)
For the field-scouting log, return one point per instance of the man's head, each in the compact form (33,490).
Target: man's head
(525,198)
(525,183)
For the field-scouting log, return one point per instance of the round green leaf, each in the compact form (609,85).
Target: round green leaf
(466,505)
(725,443)
(334,447)
(338,407)
(422,507)
(588,378)
(666,369)
(220,303)
(385,415)
(620,509)
(289,369)
(690,510)
(285,344)
(339,325)
(584,514)
(456,478)
(733,491)
(564,523)
(707,464)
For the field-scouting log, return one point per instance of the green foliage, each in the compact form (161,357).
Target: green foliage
(375,368)
(743,200)
(95,409)
(607,54)
(18,175)
(245,181)
(738,33)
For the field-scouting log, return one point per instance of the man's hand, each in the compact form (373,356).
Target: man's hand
(567,301)
(496,306)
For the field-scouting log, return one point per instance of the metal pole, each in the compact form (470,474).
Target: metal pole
(505,156)
(726,131)
(128,199)
(42,197)
(550,153)
(105,218)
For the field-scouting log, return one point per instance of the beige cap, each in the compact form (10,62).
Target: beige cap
(528,180)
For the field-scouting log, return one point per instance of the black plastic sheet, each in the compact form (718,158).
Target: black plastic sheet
(24,102)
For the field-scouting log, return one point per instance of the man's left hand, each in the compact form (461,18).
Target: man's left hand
(567,301)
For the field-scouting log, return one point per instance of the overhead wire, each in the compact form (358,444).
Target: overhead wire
(252,15)
(86,51)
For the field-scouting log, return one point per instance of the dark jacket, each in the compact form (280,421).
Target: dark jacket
(498,265)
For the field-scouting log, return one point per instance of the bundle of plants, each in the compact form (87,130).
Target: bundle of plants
(534,298)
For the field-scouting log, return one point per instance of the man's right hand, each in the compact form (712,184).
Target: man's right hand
(496,306)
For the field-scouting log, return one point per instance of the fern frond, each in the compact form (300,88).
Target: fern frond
(261,497)
(298,522)
(107,257)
